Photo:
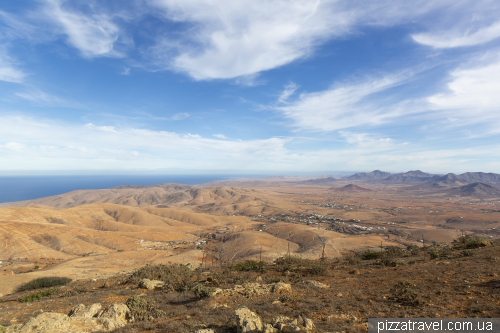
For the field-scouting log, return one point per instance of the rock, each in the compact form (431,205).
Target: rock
(81,310)
(343,317)
(294,325)
(205,331)
(1,295)
(354,272)
(80,320)
(37,312)
(248,321)
(259,279)
(281,287)
(309,324)
(255,289)
(151,284)
(217,305)
(317,284)
(269,329)
(280,322)
(114,316)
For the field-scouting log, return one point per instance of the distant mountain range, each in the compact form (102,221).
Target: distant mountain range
(449,179)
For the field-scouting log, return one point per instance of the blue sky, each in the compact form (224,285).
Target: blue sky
(268,86)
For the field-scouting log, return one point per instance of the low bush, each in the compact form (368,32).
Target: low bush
(391,263)
(250,265)
(44,282)
(368,255)
(394,251)
(37,296)
(471,242)
(434,254)
(318,270)
(201,291)
(176,277)
(402,292)
(142,309)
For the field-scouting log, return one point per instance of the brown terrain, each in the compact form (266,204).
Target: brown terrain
(99,237)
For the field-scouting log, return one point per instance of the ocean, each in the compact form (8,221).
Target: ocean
(18,188)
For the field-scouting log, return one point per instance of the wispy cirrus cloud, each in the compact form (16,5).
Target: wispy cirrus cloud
(459,37)
(343,105)
(40,97)
(8,70)
(93,34)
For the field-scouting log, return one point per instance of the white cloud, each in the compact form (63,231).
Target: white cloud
(220,136)
(94,147)
(459,37)
(8,71)
(93,35)
(232,39)
(126,71)
(38,96)
(472,94)
(37,144)
(344,105)
(289,90)
(180,116)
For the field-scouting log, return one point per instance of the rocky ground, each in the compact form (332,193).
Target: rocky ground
(333,295)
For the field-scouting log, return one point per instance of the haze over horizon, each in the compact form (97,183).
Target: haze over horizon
(250,86)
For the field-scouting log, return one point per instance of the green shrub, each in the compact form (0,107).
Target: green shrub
(37,296)
(318,270)
(250,265)
(201,291)
(44,282)
(394,251)
(3,329)
(402,292)
(471,242)
(176,277)
(142,309)
(368,255)
(434,254)
(391,263)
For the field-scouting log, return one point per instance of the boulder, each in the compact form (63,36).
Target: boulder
(269,329)
(300,323)
(205,331)
(114,316)
(151,284)
(83,311)
(317,284)
(248,321)
(80,319)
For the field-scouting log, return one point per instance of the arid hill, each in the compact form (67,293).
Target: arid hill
(352,188)
(477,190)
(220,200)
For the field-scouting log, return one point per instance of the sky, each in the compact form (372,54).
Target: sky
(250,86)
